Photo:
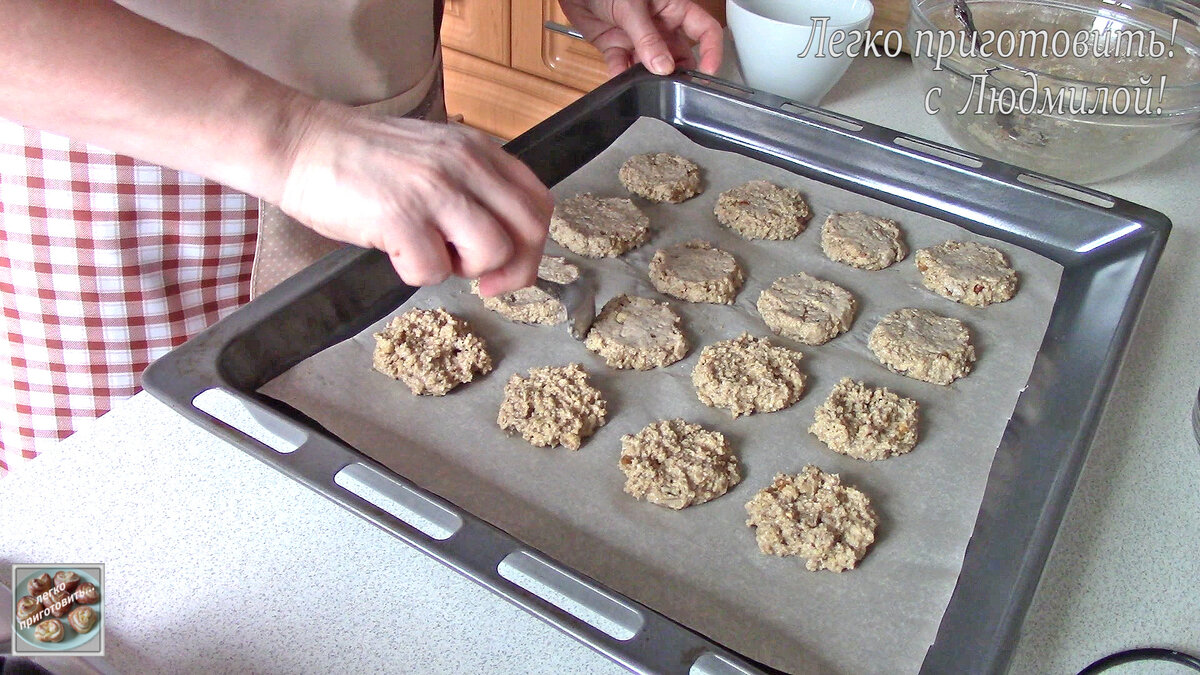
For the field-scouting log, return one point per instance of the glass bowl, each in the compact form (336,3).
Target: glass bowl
(1085,90)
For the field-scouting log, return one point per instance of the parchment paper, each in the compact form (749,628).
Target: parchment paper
(701,566)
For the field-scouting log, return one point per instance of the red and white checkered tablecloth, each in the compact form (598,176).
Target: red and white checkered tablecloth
(106,263)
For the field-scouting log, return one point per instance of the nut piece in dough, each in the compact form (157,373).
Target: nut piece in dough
(661,177)
(967,272)
(866,422)
(697,272)
(812,514)
(746,375)
(677,464)
(599,227)
(553,406)
(431,351)
(762,210)
(531,304)
(50,630)
(636,332)
(859,240)
(923,345)
(807,309)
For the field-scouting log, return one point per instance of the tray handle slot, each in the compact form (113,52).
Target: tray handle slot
(247,417)
(372,486)
(720,85)
(823,116)
(939,151)
(571,594)
(1075,192)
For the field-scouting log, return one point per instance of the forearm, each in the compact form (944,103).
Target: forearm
(94,71)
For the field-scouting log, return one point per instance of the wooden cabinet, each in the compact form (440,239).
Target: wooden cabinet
(505,71)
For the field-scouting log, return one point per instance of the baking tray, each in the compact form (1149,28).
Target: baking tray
(1108,249)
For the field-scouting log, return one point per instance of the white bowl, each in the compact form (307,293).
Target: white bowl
(797,49)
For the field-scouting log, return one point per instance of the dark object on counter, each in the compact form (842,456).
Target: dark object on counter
(12,666)
(1108,252)
(1142,654)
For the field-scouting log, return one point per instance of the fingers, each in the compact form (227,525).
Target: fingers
(648,43)
(419,256)
(702,28)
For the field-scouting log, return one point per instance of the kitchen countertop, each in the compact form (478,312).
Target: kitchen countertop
(216,562)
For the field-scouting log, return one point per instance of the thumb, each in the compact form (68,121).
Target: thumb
(648,43)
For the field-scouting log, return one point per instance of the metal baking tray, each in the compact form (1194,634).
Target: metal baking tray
(1108,249)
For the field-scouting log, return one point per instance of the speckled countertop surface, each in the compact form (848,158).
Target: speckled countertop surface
(217,563)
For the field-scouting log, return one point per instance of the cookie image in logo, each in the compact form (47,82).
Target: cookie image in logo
(58,609)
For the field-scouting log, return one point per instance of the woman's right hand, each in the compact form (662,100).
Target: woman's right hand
(438,199)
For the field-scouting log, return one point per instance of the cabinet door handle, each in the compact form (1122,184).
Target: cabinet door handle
(569,31)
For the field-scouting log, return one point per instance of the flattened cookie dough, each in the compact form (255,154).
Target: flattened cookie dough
(762,210)
(967,272)
(811,514)
(677,464)
(431,351)
(636,332)
(553,406)
(661,177)
(859,240)
(748,375)
(923,345)
(598,227)
(866,422)
(697,272)
(808,309)
(531,304)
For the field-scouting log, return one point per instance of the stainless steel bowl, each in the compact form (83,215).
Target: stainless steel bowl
(1101,110)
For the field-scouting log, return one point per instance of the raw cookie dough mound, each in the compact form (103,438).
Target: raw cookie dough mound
(636,332)
(661,177)
(696,272)
(967,272)
(812,514)
(866,422)
(859,240)
(677,464)
(553,406)
(746,375)
(531,304)
(431,351)
(598,227)
(923,345)
(761,210)
(807,309)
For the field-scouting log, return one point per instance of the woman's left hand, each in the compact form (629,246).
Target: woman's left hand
(659,33)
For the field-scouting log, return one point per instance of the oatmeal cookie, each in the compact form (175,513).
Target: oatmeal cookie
(598,227)
(636,332)
(967,272)
(697,272)
(859,240)
(661,177)
(677,464)
(431,351)
(811,514)
(923,345)
(531,304)
(553,406)
(804,308)
(746,375)
(866,422)
(762,210)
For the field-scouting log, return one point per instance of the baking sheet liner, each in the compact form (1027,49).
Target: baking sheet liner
(700,566)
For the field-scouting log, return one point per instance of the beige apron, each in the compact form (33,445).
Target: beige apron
(284,245)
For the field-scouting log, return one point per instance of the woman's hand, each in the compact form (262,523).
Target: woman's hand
(438,199)
(659,33)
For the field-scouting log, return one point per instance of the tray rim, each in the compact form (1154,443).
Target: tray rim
(198,365)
